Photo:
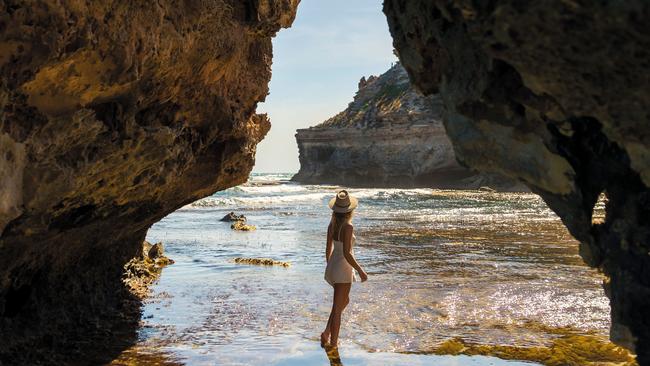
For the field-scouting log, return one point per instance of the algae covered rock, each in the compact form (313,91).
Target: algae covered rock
(141,272)
(242,226)
(261,262)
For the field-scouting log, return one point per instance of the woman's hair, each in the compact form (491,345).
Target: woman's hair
(338,220)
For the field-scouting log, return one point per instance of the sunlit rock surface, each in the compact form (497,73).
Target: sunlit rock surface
(389,136)
(555,94)
(112,115)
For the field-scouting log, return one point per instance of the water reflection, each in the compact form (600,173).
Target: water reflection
(333,355)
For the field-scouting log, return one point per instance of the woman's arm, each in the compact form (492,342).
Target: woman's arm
(328,247)
(347,252)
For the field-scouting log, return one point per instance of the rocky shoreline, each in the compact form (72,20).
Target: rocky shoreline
(143,271)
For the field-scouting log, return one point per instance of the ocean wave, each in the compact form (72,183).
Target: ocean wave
(259,200)
(273,189)
(265,196)
(270,177)
(277,191)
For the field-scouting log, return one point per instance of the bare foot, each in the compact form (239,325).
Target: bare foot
(324,340)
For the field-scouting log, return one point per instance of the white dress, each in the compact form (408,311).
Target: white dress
(338,269)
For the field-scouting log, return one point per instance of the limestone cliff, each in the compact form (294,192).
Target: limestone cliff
(112,115)
(389,136)
(556,94)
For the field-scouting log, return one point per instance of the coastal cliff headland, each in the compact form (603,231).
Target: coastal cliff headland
(390,135)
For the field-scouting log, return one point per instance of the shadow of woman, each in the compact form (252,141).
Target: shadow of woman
(333,355)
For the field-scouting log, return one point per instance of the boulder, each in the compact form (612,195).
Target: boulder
(231,216)
(156,251)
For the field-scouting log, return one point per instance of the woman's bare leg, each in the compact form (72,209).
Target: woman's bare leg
(341,299)
(325,336)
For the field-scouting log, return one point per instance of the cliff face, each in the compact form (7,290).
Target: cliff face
(112,115)
(389,136)
(555,94)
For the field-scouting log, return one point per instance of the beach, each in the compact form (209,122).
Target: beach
(494,272)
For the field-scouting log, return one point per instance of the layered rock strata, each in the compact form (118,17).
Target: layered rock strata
(389,136)
(555,94)
(112,115)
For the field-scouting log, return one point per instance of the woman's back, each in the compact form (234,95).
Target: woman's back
(338,240)
(338,269)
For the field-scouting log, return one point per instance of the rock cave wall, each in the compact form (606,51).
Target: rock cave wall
(112,115)
(557,95)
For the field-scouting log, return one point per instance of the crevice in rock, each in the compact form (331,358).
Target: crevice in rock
(163,114)
(16,299)
(110,113)
(75,217)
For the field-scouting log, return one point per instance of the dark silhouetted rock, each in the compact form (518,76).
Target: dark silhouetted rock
(231,216)
(555,94)
(156,251)
(113,115)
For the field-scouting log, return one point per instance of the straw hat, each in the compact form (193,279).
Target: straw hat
(343,203)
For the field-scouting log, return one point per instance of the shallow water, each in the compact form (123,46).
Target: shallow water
(489,268)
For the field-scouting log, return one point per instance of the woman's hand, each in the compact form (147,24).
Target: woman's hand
(363,275)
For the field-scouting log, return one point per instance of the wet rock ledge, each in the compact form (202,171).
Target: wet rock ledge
(112,115)
(389,136)
(555,94)
(141,272)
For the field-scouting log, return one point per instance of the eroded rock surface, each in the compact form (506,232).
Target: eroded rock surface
(112,115)
(390,135)
(556,94)
(141,272)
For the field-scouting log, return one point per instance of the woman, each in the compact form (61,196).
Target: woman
(340,262)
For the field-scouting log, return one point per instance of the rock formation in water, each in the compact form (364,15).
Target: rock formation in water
(556,94)
(389,136)
(112,115)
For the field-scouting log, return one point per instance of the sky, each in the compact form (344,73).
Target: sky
(317,64)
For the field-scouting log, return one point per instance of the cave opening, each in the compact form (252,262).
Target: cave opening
(156,109)
(274,160)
